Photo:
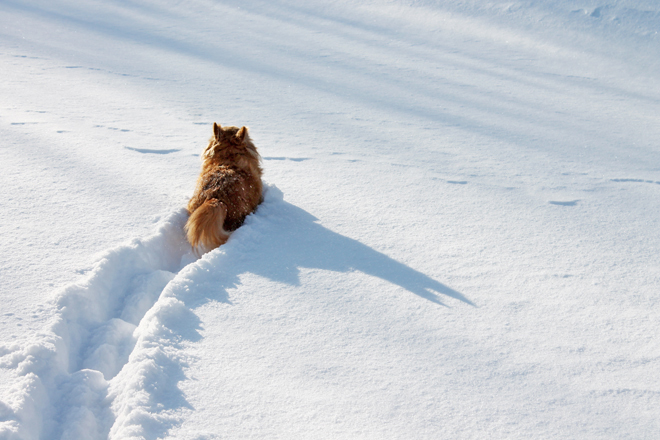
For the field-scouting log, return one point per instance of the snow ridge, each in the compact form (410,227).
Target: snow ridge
(65,373)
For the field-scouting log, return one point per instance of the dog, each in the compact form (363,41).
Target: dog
(229,188)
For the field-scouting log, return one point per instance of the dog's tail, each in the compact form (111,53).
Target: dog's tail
(204,226)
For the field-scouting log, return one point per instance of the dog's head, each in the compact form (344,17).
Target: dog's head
(230,143)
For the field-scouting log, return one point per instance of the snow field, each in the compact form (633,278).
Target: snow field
(467,246)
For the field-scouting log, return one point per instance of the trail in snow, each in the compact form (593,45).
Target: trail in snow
(65,370)
(111,361)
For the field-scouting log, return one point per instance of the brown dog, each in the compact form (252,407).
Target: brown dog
(228,189)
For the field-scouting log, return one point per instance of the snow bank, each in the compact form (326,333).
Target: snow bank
(64,371)
(111,360)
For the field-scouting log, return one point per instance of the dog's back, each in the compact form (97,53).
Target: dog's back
(229,188)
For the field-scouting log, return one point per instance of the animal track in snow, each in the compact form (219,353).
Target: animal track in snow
(566,203)
(295,159)
(635,181)
(149,151)
(64,376)
(123,130)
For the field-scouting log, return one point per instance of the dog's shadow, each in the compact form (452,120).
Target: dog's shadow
(281,238)
(274,243)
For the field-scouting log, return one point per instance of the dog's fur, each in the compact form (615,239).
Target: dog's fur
(228,189)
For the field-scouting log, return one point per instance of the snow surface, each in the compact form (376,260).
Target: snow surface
(459,237)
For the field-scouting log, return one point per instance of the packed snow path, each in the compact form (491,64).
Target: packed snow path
(115,345)
(63,388)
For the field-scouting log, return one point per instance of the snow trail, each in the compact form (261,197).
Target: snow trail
(65,371)
(109,365)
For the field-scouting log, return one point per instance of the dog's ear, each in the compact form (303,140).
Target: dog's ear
(242,133)
(217,131)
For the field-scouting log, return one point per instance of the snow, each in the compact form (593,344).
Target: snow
(459,236)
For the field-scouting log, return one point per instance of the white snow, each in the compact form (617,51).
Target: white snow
(459,237)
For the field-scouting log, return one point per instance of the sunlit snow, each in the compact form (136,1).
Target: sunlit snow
(459,239)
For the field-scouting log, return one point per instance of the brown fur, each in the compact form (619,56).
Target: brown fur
(228,188)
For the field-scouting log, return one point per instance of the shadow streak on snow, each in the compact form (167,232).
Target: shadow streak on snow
(152,151)
(281,238)
(300,241)
(276,243)
(437,96)
(94,363)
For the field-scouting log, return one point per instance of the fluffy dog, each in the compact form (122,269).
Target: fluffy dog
(228,189)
